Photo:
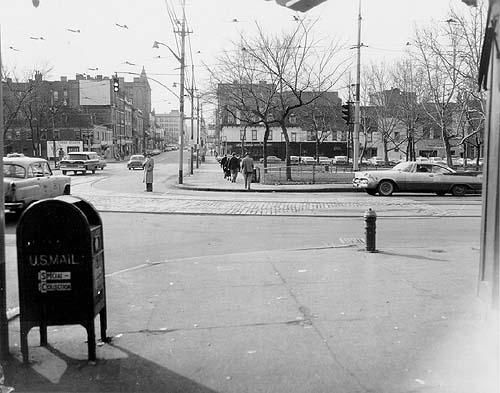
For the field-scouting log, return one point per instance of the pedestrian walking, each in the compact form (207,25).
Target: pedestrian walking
(247,170)
(234,167)
(223,163)
(149,166)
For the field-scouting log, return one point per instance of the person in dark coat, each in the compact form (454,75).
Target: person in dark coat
(234,167)
(149,166)
(223,163)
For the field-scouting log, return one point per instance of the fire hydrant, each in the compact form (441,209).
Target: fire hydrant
(370,230)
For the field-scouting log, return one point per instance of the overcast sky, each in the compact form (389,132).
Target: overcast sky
(387,26)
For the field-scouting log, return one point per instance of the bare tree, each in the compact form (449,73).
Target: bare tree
(410,80)
(292,65)
(383,105)
(321,117)
(450,54)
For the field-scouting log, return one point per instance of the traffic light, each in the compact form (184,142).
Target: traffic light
(347,112)
(116,84)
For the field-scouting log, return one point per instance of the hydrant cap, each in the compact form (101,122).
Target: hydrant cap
(370,214)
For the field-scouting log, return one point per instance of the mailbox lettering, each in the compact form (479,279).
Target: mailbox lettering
(52,259)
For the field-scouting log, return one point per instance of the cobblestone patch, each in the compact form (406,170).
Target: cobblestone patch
(335,207)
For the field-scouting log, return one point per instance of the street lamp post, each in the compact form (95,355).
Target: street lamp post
(181,89)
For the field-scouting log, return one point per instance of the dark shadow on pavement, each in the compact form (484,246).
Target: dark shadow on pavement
(130,374)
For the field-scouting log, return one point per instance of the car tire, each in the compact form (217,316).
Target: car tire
(67,190)
(129,169)
(64,172)
(84,173)
(93,171)
(458,190)
(385,188)
(371,192)
(75,172)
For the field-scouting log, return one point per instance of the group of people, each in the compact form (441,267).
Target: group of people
(233,164)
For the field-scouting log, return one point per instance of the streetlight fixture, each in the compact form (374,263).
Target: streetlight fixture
(180,59)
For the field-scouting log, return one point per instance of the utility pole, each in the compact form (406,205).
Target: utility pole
(192,119)
(4,323)
(197,131)
(181,93)
(355,139)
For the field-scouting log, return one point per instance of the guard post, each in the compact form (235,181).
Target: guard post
(60,260)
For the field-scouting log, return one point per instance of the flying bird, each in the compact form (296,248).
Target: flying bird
(37,38)
(11,47)
(129,63)
(235,20)
(296,18)
(122,26)
(74,31)
(93,69)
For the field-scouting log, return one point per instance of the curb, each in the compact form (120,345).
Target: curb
(270,190)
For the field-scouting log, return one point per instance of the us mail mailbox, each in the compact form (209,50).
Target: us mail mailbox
(60,259)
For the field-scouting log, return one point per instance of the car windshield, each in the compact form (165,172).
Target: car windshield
(12,170)
(77,157)
(137,158)
(403,167)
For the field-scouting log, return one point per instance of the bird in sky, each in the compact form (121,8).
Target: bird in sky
(14,49)
(93,69)
(37,38)
(122,26)
(296,18)
(235,20)
(129,63)
(73,30)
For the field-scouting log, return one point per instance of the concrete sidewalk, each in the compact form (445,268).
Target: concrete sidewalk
(209,177)
(329,319)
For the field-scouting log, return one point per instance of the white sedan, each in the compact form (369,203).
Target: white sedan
(414,176)
(29,179)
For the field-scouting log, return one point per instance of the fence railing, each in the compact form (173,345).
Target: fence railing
(305,174)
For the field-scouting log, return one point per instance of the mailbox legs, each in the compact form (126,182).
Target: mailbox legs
(25,329)
(104,325)
(90,326)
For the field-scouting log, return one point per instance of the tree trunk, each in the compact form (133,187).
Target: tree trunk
(287,153)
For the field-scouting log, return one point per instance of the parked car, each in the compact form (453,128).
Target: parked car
(155,152)
(438,160)
(340,160)
(415,176)
(376,161)
(136,161)
(325,160)
(79,161)
(294,160)
(271,160)
(29,179)
(102,163)
(308,160)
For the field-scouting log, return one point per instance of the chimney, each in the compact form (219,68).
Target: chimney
(64,79)
(99,77)
(79,77)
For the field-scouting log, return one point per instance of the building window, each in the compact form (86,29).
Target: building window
(55,95)
(293,119)
(311,136)
(294,137)
(270,138)
(426,132)
(242,135)
(254,135)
